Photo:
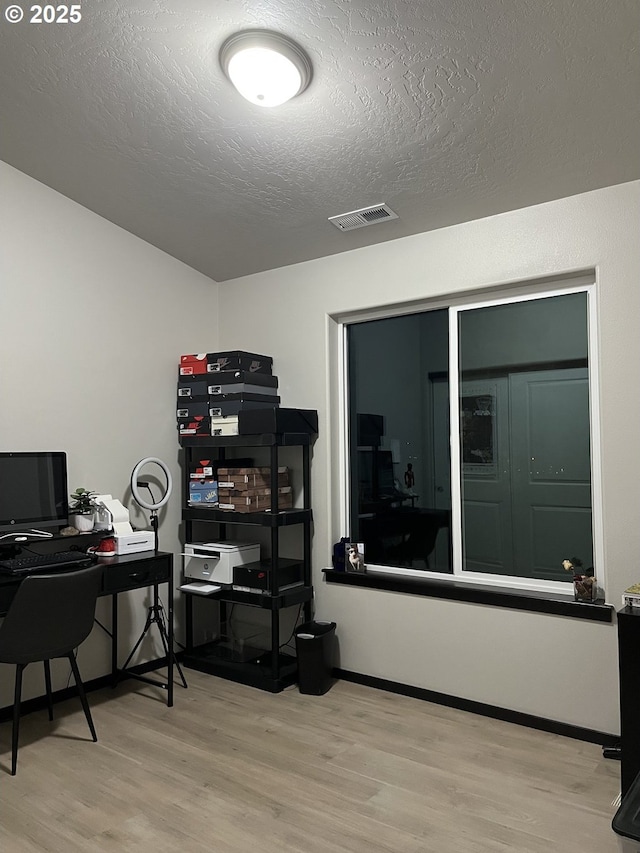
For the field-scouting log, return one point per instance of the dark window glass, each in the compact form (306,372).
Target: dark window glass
(524,437)
(400,488)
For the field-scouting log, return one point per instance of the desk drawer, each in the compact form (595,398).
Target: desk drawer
(118,578)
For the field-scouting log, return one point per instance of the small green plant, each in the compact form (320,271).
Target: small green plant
(82,502)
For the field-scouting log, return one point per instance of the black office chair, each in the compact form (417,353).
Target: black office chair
(50,615)
(420,542)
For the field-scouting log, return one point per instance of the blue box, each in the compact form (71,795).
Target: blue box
(203,492)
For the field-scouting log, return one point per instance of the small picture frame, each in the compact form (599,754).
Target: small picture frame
(354,557)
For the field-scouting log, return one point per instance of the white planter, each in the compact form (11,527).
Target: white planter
(82,523)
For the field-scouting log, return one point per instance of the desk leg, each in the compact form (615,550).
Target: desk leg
(171,652)
(114,639)
(275,645)
(188,622)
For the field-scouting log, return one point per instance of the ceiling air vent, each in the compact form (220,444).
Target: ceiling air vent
(362,217)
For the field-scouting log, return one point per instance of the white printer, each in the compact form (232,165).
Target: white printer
(215,561)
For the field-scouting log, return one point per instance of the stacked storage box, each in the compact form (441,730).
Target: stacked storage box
(214,387)
(203,485)
(247,489)
(203,479)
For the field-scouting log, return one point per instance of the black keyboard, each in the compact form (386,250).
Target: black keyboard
(58,561)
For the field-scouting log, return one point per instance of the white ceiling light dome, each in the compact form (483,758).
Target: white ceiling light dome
(266,67)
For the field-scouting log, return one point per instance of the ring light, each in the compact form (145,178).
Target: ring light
(134,484)
(151,505)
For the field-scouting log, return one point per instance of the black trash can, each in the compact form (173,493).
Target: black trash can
(315,644)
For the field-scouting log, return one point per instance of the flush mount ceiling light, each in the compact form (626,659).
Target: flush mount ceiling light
(267,68)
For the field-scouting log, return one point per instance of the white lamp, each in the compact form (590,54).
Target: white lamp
(267,68)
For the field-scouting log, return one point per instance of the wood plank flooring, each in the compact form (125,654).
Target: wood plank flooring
(231,769)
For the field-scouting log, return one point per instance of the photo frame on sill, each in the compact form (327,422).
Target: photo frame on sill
(354,557)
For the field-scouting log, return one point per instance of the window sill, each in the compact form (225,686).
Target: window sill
(493,596)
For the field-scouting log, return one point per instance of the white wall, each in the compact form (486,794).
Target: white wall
(551,666)
(92,324)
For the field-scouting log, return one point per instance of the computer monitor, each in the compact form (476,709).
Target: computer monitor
(33,492)
(384,474)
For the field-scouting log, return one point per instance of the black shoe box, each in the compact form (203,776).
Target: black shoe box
(191,407)
(277,420)
(257,576)
(242,377)
(219,362)
(193,386)
(223,405)
(228,382)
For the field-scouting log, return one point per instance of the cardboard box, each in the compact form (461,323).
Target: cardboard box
(226,492)
(256,503)
(218,362)
(248,482)
(244,479)
(235,377)
(207,469)
(277,420)
(203,492)
(247,470)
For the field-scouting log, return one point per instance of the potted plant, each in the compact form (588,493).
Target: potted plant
(584,583)
(82,510)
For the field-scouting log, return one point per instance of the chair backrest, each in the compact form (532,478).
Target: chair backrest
(50,615)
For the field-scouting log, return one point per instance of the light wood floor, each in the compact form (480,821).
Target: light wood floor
(231,769)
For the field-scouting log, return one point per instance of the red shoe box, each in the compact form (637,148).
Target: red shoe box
(197,425)
(192,365)
(207,469)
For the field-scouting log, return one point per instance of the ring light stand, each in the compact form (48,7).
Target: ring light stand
(152,506)
(155,613)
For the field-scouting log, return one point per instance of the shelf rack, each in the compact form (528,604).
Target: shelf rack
(266,669)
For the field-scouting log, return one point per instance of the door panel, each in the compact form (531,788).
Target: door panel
(550,464)
(485,546)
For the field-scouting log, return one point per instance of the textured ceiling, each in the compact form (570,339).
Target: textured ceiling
(447,110)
